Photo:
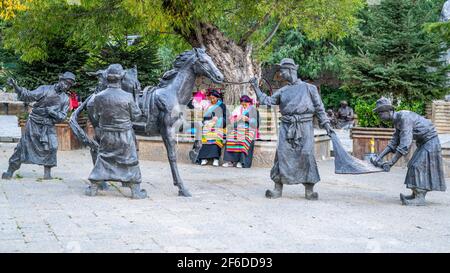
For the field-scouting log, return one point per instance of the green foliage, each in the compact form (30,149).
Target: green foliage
(440,28)
(395,55)
(62,57)
(91,23)
(62,54)
(142,53)
(417,106)
(367,118)
(332,97)
(90,26)
(316,58)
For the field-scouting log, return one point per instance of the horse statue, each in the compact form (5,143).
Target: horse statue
(163,105)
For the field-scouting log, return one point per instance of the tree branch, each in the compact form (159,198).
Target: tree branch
(271,34)
(252,30)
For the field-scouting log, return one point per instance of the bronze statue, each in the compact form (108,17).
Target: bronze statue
(129,83)
(294,159)
(114,110)
(425,169)
(345,116)
(39,143)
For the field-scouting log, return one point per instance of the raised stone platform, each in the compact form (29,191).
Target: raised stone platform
(12,107)
(9,105)
(152,148)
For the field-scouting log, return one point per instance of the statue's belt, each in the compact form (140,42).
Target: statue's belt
(294,132)
(290,119)
(116,127)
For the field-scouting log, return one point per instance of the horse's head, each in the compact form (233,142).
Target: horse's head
(205,66)
(130,82)
(101,77)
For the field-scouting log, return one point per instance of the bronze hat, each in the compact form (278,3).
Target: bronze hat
(287,63)
(383,104)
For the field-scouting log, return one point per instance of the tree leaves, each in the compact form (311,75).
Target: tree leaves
(91,23)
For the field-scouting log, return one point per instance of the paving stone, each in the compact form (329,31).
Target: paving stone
(227,213)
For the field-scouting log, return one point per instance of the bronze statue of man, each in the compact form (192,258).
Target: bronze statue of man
(114,110)
(425,169)
(39,143)
(345,116)
(294,160)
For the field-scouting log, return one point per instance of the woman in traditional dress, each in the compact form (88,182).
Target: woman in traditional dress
(214,127)
(241,140)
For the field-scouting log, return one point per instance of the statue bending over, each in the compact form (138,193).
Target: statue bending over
(425,169)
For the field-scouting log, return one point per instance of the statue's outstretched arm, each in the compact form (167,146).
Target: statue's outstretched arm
(78,131)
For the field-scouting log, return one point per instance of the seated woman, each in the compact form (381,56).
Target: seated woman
(241,140)
(214,127)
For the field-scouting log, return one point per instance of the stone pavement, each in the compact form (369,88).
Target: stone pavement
(227,213)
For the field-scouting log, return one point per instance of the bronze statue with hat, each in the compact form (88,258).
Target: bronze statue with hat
(294,159)
(39,143)
(114,111)
(425,168)
(345,116)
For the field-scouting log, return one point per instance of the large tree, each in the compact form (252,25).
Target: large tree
(230,30)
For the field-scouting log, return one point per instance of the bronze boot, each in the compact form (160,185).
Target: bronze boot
(408,197)
(8,174)
(47,173)
(418,200)
(92,190)
(137,192)
(276,192)
(309,192)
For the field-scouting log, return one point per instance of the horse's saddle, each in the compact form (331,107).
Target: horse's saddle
(149,123)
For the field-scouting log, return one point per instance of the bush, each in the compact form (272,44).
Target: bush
(332,97)
(367,118)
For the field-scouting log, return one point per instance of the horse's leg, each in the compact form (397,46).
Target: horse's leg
(168,136)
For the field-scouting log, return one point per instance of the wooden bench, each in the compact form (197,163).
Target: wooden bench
(438,112)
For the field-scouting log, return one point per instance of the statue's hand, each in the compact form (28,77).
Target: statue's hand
(375,161)
(387,166)
(93,145)
(254,82)
(328,128)
(50,112)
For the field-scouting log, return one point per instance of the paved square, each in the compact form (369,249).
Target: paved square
(227,213)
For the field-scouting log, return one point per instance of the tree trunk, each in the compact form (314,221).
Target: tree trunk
(234,61)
